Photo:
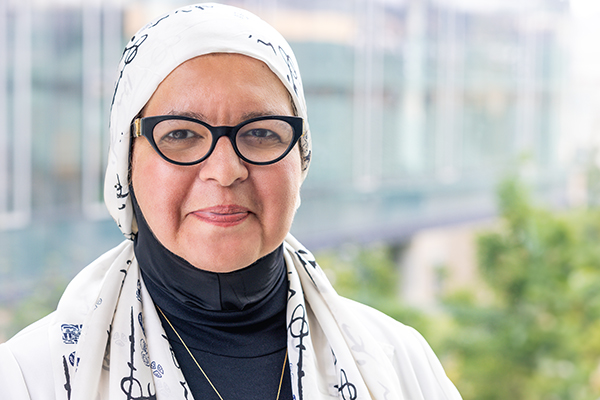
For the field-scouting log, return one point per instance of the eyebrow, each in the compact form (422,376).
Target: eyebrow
(189,114)
(202,117)
(256,114)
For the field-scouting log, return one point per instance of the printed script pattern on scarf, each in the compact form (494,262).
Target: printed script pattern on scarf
(106,338)
(161,46)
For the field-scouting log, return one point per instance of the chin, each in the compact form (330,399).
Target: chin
(220,249)
(224,255)
(223,265)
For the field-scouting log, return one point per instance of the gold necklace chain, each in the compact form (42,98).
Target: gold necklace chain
(204,373)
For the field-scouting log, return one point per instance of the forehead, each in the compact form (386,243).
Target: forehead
(213,82)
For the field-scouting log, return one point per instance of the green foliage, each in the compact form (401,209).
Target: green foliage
(536,336)
(539,338)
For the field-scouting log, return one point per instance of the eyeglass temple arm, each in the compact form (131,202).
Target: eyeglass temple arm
(137,127)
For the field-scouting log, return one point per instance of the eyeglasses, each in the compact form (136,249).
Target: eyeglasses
(187,141)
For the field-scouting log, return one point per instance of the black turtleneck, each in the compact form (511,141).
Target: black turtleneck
(234,323)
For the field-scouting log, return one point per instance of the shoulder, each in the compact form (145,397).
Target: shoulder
(380,325)
(25,364)
(82,292)
(388,331)
(417,366)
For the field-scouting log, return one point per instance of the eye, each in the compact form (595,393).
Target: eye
(173,136)
(260,133)
(180,134)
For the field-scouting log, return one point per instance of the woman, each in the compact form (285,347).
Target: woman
(211,298)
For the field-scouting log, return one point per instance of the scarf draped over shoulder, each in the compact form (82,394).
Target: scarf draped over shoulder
(107,338)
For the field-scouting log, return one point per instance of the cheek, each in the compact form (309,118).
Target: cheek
(156,187)
(281,190)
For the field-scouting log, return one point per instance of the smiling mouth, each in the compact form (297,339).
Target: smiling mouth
(224,216)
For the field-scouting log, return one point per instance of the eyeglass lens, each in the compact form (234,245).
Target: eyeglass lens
(188,141)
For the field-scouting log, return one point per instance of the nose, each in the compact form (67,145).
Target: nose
(223,165)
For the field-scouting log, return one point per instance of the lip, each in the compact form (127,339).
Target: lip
(224,216)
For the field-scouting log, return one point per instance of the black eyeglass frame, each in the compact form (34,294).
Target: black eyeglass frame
(145,127)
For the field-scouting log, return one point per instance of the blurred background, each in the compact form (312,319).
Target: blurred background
(455,180)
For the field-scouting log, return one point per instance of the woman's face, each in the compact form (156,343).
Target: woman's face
(221,214)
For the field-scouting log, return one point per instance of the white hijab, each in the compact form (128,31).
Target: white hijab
(106,340)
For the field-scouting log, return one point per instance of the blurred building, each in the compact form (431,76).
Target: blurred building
(417,107)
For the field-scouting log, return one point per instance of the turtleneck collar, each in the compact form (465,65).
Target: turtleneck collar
(232,291)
